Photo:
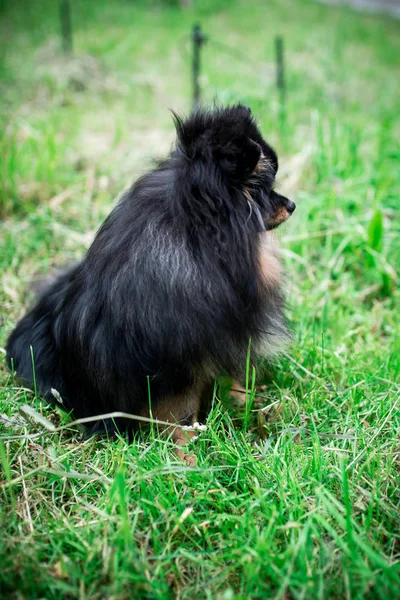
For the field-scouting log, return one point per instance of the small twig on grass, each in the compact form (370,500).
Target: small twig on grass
(30,414)
(25,493)
(112,415)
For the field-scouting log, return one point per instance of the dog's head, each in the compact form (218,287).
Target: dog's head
(227,143)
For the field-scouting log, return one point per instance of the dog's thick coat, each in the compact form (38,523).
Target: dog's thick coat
(177,281)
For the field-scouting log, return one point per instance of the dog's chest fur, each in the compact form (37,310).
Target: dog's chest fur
(268,260)
(270,277)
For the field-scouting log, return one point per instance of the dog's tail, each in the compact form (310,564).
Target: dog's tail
(31,349)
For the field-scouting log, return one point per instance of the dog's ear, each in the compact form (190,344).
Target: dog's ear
(221,138)
(249,157)
(239,158)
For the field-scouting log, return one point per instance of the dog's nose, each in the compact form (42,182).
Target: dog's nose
(290,207)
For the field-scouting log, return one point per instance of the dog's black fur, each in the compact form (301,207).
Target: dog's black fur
(170,291)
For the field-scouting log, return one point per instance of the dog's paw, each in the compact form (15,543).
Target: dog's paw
(189,460)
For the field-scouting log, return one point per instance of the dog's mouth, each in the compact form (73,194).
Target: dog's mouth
(280,215)
(276,217)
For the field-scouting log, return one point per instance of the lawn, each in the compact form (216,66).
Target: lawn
(298,496)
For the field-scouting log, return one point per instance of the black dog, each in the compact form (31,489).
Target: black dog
(181,275)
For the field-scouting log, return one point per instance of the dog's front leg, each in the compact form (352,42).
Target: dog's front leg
(182,412)
(240,394)
(182,438)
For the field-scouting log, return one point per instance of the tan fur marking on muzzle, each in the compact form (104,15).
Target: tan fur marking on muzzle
(280,216)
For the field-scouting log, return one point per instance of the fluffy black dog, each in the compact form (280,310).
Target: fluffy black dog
(181,275)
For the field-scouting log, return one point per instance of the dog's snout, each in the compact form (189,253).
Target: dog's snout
(290,206)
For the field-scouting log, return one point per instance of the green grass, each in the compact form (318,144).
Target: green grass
(301,500)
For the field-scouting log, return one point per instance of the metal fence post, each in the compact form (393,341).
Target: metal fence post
(66,26)
(198,39)
(280,77)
